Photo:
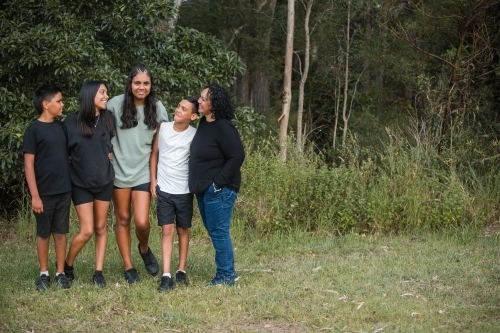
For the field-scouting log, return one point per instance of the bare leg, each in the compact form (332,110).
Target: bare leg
(42,250)
(183,235)
(86,218)
(167,237)
(141,202)
(101,232)
(121,203)
(60,248)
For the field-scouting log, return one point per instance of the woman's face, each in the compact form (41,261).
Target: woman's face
(101,98)
(205,105)
(140,86)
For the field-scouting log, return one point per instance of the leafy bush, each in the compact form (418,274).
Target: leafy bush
(402,192)
(69,42)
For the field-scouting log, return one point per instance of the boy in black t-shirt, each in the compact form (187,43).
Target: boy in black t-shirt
(46,167)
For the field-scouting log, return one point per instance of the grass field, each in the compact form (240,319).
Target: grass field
(431,282)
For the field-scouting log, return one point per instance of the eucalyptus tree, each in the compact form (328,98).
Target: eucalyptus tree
(287,80)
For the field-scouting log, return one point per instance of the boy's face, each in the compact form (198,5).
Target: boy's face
(54,107)
(184,112)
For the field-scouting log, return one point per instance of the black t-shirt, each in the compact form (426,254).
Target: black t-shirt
(216,156)
(47,142)
(90,165)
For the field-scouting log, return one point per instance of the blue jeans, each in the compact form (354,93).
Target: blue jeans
(216,210)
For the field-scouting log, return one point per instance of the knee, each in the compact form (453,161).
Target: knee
(167,231)
(86,234)
(101,230)
(122,219)
(142,225)
(59,237)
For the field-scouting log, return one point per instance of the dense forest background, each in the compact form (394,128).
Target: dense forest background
(433,66)
(397,127)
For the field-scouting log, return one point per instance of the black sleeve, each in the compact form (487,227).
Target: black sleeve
(29,141)
(230,144)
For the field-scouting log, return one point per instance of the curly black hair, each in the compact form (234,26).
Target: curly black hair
(129,111)
(221,102)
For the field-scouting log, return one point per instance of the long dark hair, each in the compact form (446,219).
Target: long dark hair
(129,110)
(86,118)
(221,102)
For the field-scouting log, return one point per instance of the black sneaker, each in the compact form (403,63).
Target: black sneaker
(166,284)
(149,261)
(181,277)
(99,280)
(62,281)
(131,276)
(42,283)
(68,271)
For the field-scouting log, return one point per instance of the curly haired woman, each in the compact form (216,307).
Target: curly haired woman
(214,175)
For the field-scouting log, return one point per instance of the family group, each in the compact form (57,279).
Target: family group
(127,151)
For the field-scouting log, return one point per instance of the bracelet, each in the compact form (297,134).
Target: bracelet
(215,188)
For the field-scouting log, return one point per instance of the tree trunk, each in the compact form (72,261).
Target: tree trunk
(260,96)
(260,92)
(243,83)
(345,117)
(175,15)
(303,79)
(287,82)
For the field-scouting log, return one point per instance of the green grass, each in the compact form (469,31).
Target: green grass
(299,282)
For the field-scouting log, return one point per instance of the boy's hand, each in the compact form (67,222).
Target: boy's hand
(37,205)
(152,188)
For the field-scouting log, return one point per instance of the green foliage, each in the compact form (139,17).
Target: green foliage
(67,43)
(404,188)
(249,122)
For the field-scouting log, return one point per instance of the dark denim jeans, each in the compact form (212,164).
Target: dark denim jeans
(216,210)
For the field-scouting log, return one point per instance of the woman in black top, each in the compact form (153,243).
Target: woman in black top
(89,132)
(216,156)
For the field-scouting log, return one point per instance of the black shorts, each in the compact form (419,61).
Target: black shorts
(82,195)
(55,216)
(142,187)
(179,206)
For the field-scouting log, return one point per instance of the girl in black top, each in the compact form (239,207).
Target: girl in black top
(89,132)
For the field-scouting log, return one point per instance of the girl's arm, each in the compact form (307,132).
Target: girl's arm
(153,163)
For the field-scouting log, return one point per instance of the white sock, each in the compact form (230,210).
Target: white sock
(179,270)
(46,273)
(57,274)
(167,274)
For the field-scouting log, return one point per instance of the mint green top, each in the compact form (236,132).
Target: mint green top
(132,146)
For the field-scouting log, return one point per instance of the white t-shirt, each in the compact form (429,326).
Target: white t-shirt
(173,158)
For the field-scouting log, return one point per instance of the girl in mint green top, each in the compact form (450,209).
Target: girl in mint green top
(138,113)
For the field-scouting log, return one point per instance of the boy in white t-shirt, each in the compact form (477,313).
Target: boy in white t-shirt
(169,184)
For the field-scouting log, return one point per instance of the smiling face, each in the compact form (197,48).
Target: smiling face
(185,112)
(101,98)
(140,86)
(54,107)
(205,107)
